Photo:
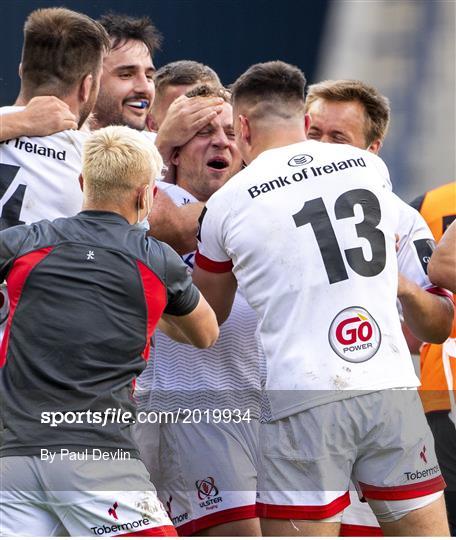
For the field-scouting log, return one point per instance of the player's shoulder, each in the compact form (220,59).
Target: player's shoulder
(150,136)
(179,195)
(25,238)
(434,197)
(162,259)
(226,194)
(158,251)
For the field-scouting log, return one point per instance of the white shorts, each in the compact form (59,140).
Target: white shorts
(147,438)
(208,473)
(79,498)
(381,440)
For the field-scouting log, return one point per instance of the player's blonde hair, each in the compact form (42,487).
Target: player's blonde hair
(117,160)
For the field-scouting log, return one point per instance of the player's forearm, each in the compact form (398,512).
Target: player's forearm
(13,125)
(429,316)
(198,328)
(172,331)
(443,273)
(177,226)
(43,115)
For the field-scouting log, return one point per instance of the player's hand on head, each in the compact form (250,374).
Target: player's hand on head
(184,118)
(45,115)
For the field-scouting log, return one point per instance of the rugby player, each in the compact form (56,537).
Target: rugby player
(328,319)
(353,112)
(77,336)
(207,466)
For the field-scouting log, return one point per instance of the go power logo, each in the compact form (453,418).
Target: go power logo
(354,335)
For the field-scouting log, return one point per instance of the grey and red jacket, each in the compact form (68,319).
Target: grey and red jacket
(86,293)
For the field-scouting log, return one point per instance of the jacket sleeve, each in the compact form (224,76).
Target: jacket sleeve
(11,241)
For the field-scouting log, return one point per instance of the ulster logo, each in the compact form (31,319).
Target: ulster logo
(206,488)
(207,493)
(354,335)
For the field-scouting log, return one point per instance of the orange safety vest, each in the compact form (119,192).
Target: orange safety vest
(438,362)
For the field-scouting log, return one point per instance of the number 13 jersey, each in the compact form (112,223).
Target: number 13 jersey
(309,232)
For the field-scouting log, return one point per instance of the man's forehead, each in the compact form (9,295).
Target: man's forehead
(225,118)
(337,109)
(129,53)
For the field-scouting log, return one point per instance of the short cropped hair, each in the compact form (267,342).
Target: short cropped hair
(205,90)
(122,28)
(117,160)
(271,88)
(60,48)
(184,72)
(376,106)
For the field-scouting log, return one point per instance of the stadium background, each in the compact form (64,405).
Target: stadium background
(406,48)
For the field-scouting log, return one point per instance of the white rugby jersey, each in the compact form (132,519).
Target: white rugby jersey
(39,176)
(39,179)
(223,376)
(309,231)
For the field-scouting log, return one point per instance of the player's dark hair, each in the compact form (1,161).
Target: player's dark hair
(375,105)
(184,72)
(275,81)
(60,48)
(122,28)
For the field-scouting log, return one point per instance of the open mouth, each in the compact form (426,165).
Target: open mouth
(138,103)
(218,163)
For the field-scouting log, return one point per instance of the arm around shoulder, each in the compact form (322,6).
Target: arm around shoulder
(43,115)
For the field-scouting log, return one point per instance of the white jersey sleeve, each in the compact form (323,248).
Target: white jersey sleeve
(214,221)
(416,244)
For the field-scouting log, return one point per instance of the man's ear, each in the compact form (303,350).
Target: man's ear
(174,159)
(151,123)
(143,194)
(375,146)
(307,122)
(20,70)
(85,88)
(245,128)
(81,182)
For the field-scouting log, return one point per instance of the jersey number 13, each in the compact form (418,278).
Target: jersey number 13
(314,213)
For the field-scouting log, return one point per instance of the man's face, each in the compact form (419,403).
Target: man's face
(211,158)
(127,87)
(340,122)
(165,97)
